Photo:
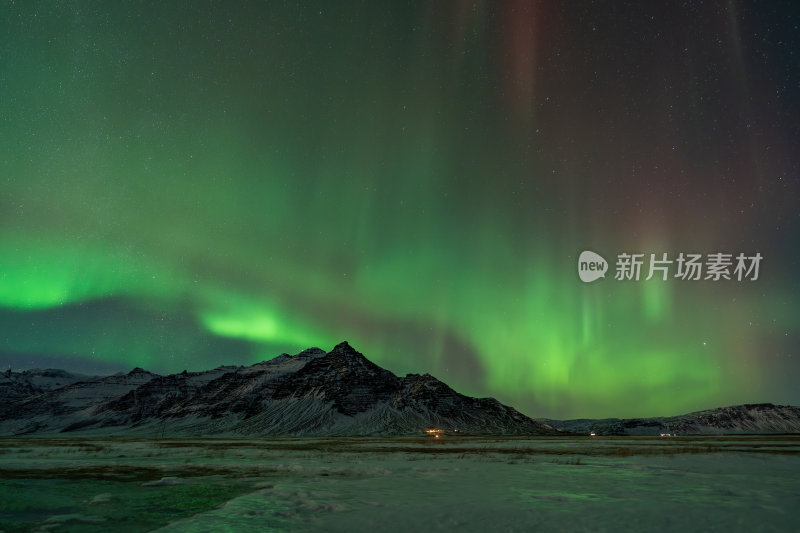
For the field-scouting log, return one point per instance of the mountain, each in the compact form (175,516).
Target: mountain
(19,385)
(52,409)
(762,418)
(314,393)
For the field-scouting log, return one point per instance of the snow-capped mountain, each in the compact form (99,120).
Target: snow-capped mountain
(53,409)
(738,419)
(18,385)
(312,393)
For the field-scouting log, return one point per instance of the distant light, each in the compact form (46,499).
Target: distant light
(592,434)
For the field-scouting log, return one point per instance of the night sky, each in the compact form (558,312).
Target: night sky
(191,184)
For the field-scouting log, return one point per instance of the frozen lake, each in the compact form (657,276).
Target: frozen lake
(362,484)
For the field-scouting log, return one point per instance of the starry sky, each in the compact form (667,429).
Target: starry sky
(191,184)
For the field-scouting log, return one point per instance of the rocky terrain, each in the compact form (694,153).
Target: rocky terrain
(313,393)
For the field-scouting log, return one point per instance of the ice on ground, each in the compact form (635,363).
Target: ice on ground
(164,481)
(548,484)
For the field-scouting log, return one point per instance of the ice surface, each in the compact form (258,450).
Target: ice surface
(350,484)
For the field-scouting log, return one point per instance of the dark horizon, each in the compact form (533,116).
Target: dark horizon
(535,416)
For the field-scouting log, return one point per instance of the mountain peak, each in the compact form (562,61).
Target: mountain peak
(340,392)
(344,348)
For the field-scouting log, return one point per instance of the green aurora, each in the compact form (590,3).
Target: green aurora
(190,185)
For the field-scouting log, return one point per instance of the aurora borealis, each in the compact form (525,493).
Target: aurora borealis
(194,184)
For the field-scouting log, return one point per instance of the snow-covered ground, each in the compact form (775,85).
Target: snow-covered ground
(543,484)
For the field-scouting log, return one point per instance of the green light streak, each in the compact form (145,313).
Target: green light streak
(41,273)
(229,314)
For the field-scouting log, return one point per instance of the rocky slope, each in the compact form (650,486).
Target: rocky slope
(20,385)
(313,393)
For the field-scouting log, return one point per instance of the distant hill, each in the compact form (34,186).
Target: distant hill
(314,393)
(764,418)
(29,383)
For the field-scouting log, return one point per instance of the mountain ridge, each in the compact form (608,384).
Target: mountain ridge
(761,418)
(313,393)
